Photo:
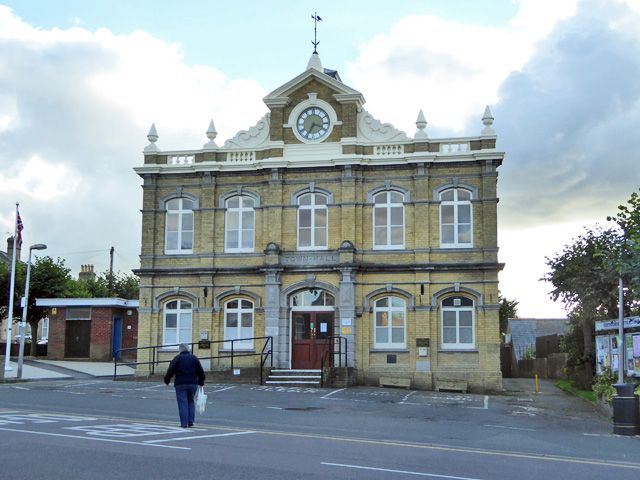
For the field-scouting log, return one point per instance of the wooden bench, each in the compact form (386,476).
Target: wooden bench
(452,385)
(395,382)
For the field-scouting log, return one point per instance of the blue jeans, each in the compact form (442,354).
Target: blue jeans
(186,405)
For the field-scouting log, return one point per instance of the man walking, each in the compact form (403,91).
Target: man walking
(189,374)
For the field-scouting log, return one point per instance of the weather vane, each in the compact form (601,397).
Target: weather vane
(316,19)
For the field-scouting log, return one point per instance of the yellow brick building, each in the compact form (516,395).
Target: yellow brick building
(322,227)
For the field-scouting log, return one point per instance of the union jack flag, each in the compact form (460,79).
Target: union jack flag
(19,227)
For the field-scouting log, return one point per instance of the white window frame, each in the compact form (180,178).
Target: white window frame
(179,312)
(387,206)
(241,210)
(44,329)
(180,212)
(313,207)
(232,333)
(389,310)
(456,204)
(457,345)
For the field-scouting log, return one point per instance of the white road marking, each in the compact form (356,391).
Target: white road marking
(126,430)
(177,439)
(512,428)
(331,393)
(82,437)
(222,389)
(22,418)
(21,388)
(485,406)
(406,472)
(404,399)
(151,388)
(276,408)
(79,384)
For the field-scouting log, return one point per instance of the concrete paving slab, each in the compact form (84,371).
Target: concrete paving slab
(95,369)
(30,372)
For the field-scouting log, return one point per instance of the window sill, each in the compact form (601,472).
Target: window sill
(237,350)
(391,247)
(388,350)
(451,246)
(458,350)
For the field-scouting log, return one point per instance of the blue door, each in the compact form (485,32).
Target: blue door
(116,343)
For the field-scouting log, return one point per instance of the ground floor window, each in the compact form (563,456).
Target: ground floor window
(390,323)
(177,323)
(458,329)
(238,323)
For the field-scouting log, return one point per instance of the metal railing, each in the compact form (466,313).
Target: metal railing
(328,354)
(225,353)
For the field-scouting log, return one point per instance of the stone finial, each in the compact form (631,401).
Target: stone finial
(421,123)
(315,62)
(487,121)
(152,136)
(211,135)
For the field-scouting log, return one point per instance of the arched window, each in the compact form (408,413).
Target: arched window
(177,323)
(179,226)
(388,220)
(458,323)
(238,323)
(312,221)
(455,218)
(312,298)
(239,224)
(390,315)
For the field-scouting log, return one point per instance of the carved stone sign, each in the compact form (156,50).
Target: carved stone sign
(309,259)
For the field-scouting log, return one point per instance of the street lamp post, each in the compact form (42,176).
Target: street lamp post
(23,323)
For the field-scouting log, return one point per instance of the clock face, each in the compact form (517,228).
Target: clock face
(313,123)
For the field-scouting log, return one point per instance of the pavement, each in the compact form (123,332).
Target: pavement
(59,369)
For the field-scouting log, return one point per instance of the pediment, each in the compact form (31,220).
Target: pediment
(340,91)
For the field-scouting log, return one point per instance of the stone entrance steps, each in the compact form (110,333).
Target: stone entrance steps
(294,378)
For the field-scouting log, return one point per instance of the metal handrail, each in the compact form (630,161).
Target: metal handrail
(264,353)
(329,353)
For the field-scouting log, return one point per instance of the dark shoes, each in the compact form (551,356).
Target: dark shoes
(191,424)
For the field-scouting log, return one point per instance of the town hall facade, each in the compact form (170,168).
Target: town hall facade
(322,226)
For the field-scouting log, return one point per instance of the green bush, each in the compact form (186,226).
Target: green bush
(603,385)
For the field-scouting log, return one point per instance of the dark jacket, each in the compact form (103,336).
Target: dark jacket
(187,369)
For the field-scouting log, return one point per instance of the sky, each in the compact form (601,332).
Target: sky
(81,82)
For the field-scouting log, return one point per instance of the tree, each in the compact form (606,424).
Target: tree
(628,220)
(585,278)
(113,285)
(508,309)
(49,279)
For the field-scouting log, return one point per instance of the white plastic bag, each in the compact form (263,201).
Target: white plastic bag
(201,400)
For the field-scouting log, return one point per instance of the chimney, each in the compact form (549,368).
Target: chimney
(86,273)
(10,249)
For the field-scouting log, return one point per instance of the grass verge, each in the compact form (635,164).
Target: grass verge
(569,387)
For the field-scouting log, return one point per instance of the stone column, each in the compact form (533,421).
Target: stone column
(272,302)
(347,301)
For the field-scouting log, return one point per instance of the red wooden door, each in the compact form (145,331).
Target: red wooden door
(310,333)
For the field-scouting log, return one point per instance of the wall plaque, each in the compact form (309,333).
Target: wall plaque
(309,259)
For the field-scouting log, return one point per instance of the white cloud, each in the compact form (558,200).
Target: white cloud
(75,107)
(450,70)
(39,180)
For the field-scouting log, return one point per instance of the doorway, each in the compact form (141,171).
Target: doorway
(311,338)
(77,339)
(116,338)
